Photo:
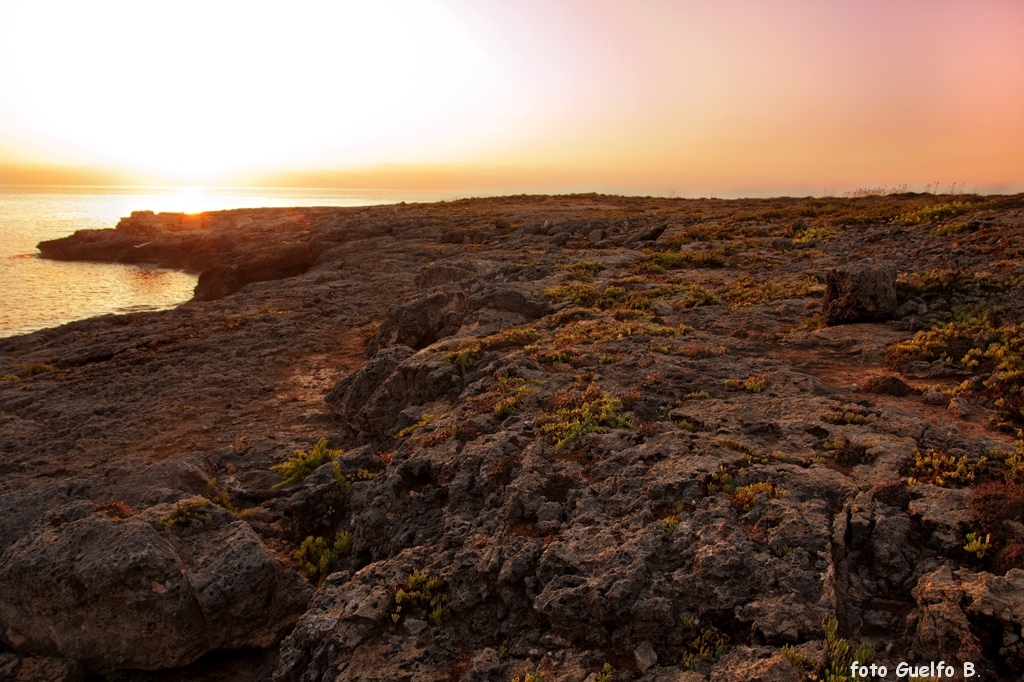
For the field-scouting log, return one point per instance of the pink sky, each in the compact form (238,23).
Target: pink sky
(653,97)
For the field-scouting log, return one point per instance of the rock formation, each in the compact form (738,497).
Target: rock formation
(598,438)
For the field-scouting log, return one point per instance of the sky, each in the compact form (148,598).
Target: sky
(685,98)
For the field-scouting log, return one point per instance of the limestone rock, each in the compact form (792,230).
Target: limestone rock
(152,597)
(859,294)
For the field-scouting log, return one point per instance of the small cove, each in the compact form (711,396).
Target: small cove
(36,293)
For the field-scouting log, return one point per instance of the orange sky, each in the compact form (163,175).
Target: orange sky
(732,97)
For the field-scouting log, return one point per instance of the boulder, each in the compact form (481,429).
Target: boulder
(376,399)
(116,593)
(887,385)
(857,294)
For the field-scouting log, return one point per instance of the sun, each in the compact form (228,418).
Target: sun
(194,90)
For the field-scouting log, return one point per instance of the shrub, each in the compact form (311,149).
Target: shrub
(946,283)
(421,595)
(709,645)
(305,462)
(940,468)
(583,271)
(934,212)
(318,555)
(657,262)
(749,291)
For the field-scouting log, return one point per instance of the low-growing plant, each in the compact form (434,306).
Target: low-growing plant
(115,509)
(222,499)
(183,513)
(724,480)
(423,596)
(316,556)
(946,283)
(743,497)
(305,462)
(594,411)
(671,523)
(583,271)
(424,420)
(940,468)
(35,369)
(977,545)
(733,444)
(512,392)
(933,212)
(847,414)
(709,645)
(657,262)
(695,297)
(752,384)
(747,291)
(839,655)
(847,452)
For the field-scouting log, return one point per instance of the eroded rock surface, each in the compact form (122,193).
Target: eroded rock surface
(575,432)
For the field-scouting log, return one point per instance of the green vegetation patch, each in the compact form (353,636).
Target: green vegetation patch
(421,596)
(946,283)
(583,271)
(940,468)
(305,462)
(657,262)
(933,212)
(749,291)
(318,555)
(183,513)
(592,411)
(976,345)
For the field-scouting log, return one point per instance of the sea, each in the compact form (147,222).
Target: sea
(36,293)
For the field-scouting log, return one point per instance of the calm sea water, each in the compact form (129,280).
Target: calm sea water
(36,293)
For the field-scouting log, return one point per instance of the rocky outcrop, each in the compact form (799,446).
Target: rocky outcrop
(859,294)
(420,322)
(568,446)
(151,598)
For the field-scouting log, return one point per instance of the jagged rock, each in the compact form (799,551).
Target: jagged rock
(375,398)
(285,260)
(859,294)
(152,598)
(943,631)
(439,274)
(647,234)
(933,397)
(350,395)
(420,322)
(645,656)
(959,408)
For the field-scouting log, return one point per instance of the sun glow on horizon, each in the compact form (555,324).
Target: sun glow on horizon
(544,94)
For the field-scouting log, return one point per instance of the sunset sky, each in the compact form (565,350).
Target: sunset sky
(734,97)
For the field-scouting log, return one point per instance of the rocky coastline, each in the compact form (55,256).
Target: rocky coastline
(583,437)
